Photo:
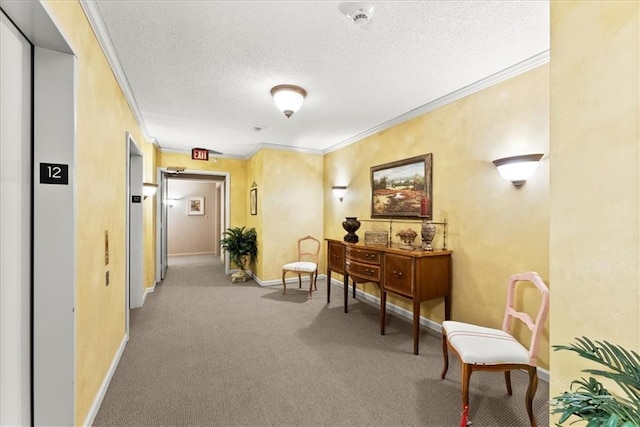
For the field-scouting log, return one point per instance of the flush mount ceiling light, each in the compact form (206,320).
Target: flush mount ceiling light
(288,98)
(518,169)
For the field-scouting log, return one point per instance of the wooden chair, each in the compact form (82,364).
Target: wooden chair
(487,349)
(308,252)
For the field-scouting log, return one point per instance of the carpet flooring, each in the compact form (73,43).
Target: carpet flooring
(206,352)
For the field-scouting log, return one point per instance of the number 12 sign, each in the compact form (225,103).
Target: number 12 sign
(54,173)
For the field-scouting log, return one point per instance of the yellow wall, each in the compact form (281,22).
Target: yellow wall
(494,229)
(291,193)
(150,155)
(255,175)
(595,213)
(103,118)
(290,200)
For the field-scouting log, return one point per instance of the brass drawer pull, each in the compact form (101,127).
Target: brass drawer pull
(397,274)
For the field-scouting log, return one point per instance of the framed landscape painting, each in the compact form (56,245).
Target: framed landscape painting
(402,188)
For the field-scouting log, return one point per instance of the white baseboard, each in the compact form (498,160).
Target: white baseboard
(194,253)
(291,279)
(147,291)
(543,374)
(93,411)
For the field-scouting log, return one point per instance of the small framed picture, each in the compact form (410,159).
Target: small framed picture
(195,206)
(253,201)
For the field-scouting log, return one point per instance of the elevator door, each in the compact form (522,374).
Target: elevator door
(15,224)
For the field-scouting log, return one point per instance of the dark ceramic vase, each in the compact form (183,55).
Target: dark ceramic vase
(351,225)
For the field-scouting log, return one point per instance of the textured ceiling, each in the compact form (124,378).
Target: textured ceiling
(200,72)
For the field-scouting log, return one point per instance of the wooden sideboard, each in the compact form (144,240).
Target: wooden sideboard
(413,274)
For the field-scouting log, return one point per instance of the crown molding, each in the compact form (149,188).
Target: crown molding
(97,24)
(265,145)
(500,76)
(95,19)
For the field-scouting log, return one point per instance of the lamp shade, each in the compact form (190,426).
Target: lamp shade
(149,189)
(339,191)
(288,98)
(518,169)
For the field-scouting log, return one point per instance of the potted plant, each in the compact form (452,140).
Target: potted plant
(589,400)
(242,246)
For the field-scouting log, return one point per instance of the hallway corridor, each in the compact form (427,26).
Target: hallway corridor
(204,351)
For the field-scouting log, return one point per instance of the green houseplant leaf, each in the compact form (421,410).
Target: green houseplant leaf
(239,241)
(589,399)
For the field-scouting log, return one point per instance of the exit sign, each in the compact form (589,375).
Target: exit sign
(199,154)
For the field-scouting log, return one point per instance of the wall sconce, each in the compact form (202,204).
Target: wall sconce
(171,202)
(149,189)
(288,98)
(518,169)
(339,191)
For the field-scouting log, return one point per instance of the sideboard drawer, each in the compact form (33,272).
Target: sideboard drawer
(364,255)
(336,257)
(367,272)
(398,274)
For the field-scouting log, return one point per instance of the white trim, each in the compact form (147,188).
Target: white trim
(38,24)
(102,391)
(428,323)
(506,74)
(148,291)
(134,225)
(95,19)
(54,239)
(265,145)
(193,253)
(543,374)
(292,279)
(227,203)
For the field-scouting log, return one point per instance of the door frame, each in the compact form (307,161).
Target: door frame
(134,291)
(162,227)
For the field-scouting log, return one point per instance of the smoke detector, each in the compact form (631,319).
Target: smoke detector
(360,13)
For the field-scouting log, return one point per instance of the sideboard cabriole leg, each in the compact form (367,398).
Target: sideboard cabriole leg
(346,293)
(383,310)
(328,285)
(416,325)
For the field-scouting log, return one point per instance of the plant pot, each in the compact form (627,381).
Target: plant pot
(243,273)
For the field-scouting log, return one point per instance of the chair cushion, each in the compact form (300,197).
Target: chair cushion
(301,266)
(484,346)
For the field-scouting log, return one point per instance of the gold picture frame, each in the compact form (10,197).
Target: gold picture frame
(402,188)
(253,201)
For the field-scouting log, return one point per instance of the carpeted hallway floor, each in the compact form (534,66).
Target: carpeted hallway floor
(206,352)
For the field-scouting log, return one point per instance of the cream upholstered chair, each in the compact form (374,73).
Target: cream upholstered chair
(308,251)
(487,349)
